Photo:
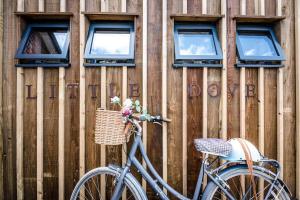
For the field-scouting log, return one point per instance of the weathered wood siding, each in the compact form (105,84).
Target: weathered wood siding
(202,102)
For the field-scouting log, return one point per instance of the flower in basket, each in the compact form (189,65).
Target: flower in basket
(115,100)
(127,103)
(126,111)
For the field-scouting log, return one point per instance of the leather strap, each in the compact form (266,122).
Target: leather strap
(249,162)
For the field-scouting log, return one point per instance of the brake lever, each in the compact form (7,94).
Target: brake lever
(157,123)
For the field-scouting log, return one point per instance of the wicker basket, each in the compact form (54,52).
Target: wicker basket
(109,128)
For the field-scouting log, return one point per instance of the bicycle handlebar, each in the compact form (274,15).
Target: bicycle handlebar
(156,118)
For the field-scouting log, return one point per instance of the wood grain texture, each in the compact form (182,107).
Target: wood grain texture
(214,84)
(72,105)
(30,137)
(195,113)
(251,92)
(233,103)
(194,126)
(9,100)
(297,56)
(50,171)
(154,98)
(50,120)
(1,94)
(61,122)
(289,97)
(174,99)
(93,101)
(270,93)
(113,88)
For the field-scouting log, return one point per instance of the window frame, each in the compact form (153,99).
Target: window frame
(105,25)
(197,27)
(259,29)
(46,25)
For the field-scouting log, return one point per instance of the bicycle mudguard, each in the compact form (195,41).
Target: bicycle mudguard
(130,178)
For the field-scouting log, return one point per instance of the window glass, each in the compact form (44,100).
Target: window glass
(257,45)
(45,41)
(110,43)
(196,43)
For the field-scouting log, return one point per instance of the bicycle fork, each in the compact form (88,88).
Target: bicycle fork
(117,193)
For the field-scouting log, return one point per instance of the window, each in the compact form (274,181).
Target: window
(44,44)
(196,45)
(257,46)
(110,44)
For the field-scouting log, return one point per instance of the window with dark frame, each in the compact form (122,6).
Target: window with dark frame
(196,45)
(110,43)
(257,46)
(44,45)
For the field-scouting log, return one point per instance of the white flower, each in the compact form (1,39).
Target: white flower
(127,103)
(115,100)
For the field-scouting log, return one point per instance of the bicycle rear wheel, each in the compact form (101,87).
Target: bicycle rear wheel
(239,185)
(89,186)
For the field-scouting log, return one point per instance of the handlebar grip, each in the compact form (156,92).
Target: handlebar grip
(166,120)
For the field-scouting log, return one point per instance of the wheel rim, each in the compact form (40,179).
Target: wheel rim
(94,189)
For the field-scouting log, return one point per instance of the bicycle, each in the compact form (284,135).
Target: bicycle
(231,180)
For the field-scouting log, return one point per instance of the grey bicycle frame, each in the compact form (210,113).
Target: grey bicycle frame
(132,160)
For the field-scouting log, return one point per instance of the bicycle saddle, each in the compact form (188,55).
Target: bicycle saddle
(230,150)
(213,146)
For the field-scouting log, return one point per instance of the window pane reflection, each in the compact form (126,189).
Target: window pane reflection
(110,43)
(257,45)
(46,42)
(196,43)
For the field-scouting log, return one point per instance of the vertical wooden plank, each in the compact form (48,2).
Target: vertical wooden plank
(145,75)
(194,126)
(271,87)
(242,85)
(233,101)
(124,96)
(250,93)
(280,131)
(297,56)
(194,113)
(30,137)
(40,94)
(289,96)
(12,158)
(19,122)
(184,118)
(40,124)
(52,5)
(72,114)
(82,93)
(204,101)
(50,148)
(113,88)
(224,69)
(213,91)
(1,112)
(104,7)
(61,123)
(154,82)
(172,78)
(164,63)
(92,99)
(31,5)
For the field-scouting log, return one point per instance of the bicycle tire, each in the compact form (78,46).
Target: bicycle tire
(242,170)
(130,184)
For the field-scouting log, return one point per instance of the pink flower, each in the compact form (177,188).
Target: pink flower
(126,111)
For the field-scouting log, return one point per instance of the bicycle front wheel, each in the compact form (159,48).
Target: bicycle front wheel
(237,181)
(99,184)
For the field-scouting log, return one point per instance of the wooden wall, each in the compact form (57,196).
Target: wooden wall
(47,115)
